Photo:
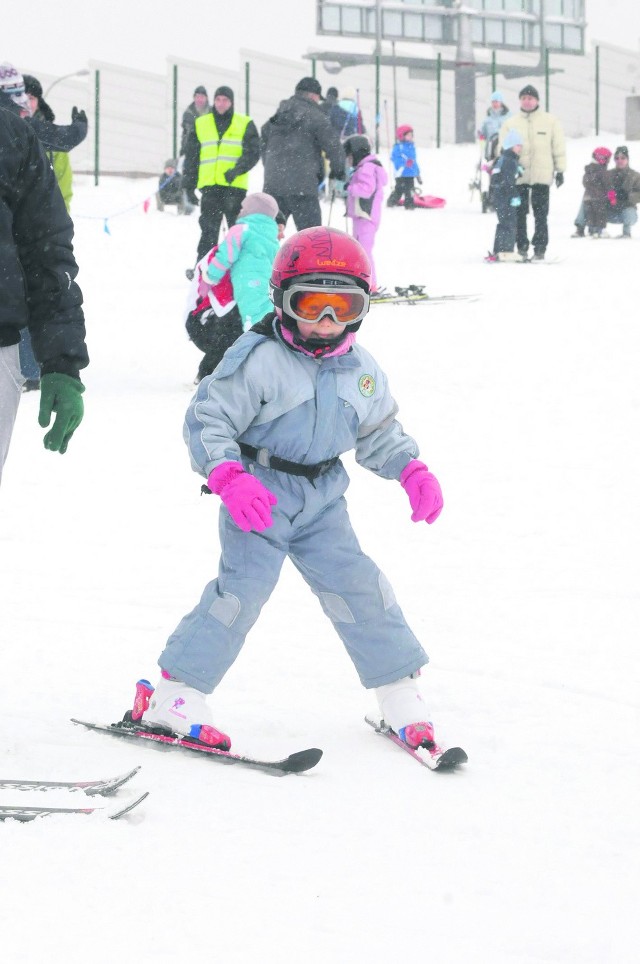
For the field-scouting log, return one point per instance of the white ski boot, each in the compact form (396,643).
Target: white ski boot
(184,710)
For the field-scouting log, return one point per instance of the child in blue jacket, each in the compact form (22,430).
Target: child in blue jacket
(405,165)
(506,199)
(266,431)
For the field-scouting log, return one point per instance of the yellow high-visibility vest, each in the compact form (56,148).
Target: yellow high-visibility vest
(219,154)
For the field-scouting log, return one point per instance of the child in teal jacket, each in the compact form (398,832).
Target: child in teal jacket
(248,252)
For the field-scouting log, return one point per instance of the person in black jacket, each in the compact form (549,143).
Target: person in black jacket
(53,137)
(37,287)
(198,106)
(291,144)
(219,153)
(505,198)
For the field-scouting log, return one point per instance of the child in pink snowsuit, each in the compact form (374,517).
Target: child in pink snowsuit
(364,194)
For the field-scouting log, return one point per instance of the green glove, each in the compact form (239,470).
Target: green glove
(61,394)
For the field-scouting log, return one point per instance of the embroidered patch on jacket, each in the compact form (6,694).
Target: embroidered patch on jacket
(367,385)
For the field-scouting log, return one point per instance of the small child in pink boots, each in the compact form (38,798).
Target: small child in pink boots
(364,195)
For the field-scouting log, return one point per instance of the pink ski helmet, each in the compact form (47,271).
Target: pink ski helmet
(403,130)
(602,155)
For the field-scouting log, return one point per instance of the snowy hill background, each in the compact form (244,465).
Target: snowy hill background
(526,405)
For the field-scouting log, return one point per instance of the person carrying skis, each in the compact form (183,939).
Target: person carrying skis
(266,431)
(407,171)
(233,281)
(506,198)
(364,195)
(345,116)
(490,127)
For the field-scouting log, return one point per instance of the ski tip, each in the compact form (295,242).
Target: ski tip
(131,806)
(454,757)
(303,760)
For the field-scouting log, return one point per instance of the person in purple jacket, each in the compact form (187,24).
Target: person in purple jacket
(364,195)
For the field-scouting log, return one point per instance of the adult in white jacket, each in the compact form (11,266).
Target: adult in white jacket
(543,160)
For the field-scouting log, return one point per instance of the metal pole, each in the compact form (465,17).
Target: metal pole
(96,128)
(313,67)
(77,73)
(493,70)
(465,82)
(438,98)
(395,87)
(175,110)
(546,78)
(247,82)
(597,90)
(377,103)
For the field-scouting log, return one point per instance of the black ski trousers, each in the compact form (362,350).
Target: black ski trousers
(505,239)
(216,203)
(404,186)
(539,196)
(303,208)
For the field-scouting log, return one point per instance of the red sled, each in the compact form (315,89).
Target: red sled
(426,201)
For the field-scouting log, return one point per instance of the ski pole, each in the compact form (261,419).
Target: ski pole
(333,194)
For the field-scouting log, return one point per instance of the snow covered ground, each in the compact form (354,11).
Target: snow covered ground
(525,593)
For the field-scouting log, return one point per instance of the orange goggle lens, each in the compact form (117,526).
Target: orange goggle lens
(345,306)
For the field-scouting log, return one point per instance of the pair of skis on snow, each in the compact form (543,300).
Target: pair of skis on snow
(300,762)
(413,295)
(434,759)
(553,259)
(90,788)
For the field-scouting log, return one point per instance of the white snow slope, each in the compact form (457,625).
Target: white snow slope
(526,405)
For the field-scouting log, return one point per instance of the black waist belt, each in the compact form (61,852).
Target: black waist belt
(262,457)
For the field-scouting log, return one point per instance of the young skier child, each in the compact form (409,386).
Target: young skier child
(506,199)
(247,252)
(266,431)
(407,171)
(230,291)
(364,195)
(596,186)
(170,189)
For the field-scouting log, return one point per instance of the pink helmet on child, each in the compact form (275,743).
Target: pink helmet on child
(402,130)
(602,155)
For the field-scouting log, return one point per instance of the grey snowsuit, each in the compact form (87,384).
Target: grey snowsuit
(304,410)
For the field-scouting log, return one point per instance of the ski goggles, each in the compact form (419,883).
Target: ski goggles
(18,95)
(344,304)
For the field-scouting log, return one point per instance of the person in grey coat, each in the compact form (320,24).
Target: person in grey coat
(291,146)
(266,431)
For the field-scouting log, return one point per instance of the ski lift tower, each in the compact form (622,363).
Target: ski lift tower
(528,26)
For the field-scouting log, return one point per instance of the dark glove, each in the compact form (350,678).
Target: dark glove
(230,175)
(191,198)
(419,180)
(61,394)
(78,115)
(559,179)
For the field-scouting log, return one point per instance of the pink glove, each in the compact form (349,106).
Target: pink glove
(247,499)
(423,489)
(612,197)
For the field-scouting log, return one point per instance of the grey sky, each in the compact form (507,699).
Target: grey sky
(62,37)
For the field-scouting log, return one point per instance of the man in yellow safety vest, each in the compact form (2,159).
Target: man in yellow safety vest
(219,153)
